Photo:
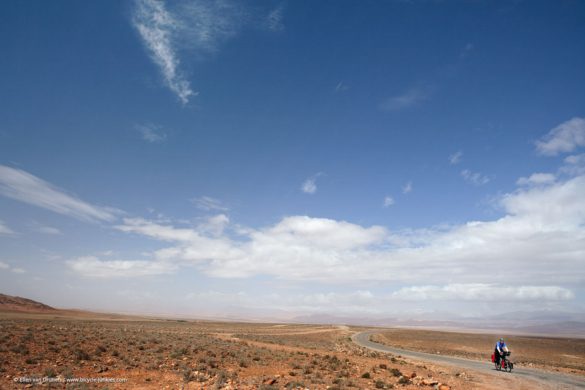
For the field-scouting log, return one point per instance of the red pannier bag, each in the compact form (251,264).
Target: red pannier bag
(493,358)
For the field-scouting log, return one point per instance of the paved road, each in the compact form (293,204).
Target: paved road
(557,381)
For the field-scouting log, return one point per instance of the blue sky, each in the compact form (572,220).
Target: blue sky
(279,158)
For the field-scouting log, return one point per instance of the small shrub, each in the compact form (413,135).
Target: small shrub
(187,375)
(49,372)
(294,385)
(403,380)
(366,375)
(380,384)
(81,355)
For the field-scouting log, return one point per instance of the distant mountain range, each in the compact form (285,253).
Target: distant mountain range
(537,323)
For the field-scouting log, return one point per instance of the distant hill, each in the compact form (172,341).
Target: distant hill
(10,303)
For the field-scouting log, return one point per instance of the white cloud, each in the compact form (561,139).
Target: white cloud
(388,201)
(309,186)
(157,28)
(455,158)
(208,203)
(326,302)
(539,239)
(578,159)
(574,165)
(24,187)
(16,270)
(218,297)
(483,292)
(215,225)
(151,133)
(5,230)
(475,178)
(537,179)
(407,188)
(566,137)
(410,98)
(93,267)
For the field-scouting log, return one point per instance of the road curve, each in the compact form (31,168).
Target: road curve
(558,381)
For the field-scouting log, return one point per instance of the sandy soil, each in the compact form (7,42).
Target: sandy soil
(175,354)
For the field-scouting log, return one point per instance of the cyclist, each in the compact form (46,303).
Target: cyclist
(500,349)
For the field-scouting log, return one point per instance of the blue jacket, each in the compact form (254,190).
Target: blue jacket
(500,346)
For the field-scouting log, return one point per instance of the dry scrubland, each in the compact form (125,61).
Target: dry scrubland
(565,355)
(172,354)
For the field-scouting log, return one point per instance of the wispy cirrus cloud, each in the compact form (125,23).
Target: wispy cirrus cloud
(151,133)
(207,203)
(24,187)
(177,33)
(274,19)
(44,229)
(341,87)
(5,230)
(407,188)
(466,50)
(564,138)
(475,178)
(158,29)
(455,158)
(409,98)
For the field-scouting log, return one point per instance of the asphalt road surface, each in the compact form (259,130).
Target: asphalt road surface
(555,380)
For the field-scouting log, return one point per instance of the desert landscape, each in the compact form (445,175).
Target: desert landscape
(42,346)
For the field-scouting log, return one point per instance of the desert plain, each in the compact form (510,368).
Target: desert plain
(79,350)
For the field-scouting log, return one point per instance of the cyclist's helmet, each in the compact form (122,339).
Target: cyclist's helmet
(501,339)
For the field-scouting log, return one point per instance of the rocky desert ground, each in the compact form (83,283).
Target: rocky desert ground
(77,350)
(566,355)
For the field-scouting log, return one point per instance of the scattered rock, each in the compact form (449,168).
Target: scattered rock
(270,381)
